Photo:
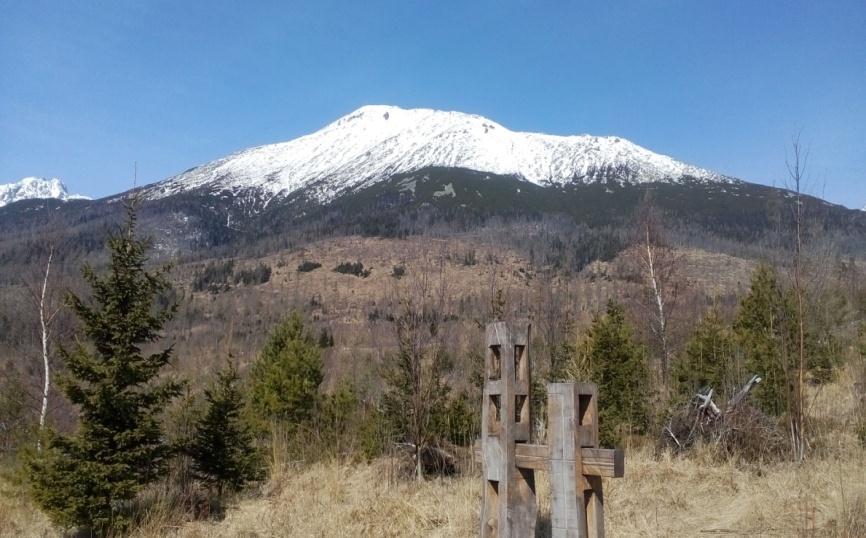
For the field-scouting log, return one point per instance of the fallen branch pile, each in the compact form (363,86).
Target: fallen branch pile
(738,428)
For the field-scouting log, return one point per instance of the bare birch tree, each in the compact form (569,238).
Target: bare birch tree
(47,306)
(658,266)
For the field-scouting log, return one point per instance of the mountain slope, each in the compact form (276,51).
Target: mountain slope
(368,174)
(375,143)
(30,188)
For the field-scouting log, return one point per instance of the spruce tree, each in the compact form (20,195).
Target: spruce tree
(765,327)
(223,451)
(286,376)
(706,361)
(619,368)
(88,479)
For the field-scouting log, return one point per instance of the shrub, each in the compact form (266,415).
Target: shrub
(349,268)
(469,258)
(214,277)
(349,426)
(257,275)
(398,272)
(15,420)
(307,266)
(326,339)
(460,422)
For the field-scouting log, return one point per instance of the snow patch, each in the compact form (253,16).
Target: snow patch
(408,184)
(447,190)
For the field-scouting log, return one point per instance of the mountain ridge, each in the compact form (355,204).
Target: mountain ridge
(33,187)
(376,142)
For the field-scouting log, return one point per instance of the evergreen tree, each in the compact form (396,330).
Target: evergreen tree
(618,367)
(765,327)
(829,310)
(89,479)
(286,376)
(706,361)
(222,450)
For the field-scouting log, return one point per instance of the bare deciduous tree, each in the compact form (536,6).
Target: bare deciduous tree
(658,266)
(417,389)
(47,305)
(796,164)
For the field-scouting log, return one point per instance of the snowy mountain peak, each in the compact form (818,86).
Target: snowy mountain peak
(35,187)
(376,142)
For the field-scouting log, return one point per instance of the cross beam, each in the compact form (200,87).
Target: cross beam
(604,462)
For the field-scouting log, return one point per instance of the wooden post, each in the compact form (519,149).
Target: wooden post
(587,433)
(567,512)
(510,508)
(576,501)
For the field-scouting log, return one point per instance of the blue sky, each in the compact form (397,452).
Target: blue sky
(87,88)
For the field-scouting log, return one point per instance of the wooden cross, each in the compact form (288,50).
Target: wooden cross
(572,457)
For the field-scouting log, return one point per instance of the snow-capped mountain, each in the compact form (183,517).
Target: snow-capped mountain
(390,172)
(35,187)
(376,142)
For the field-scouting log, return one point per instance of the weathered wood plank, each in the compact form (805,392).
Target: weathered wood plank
(527,456)
(509,506)
(586,418)
(567,511)
(605,462)
(594,503)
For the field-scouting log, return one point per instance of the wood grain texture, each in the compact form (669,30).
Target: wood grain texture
(509,505)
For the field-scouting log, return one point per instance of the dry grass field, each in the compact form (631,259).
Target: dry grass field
(661,495)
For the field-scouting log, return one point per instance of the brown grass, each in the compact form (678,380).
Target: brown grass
(660,496)
(17,516)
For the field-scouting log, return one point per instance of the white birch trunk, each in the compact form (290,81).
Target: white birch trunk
(44,321)
(661,319)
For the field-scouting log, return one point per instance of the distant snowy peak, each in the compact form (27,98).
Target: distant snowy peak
(376,142)
(35,187)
